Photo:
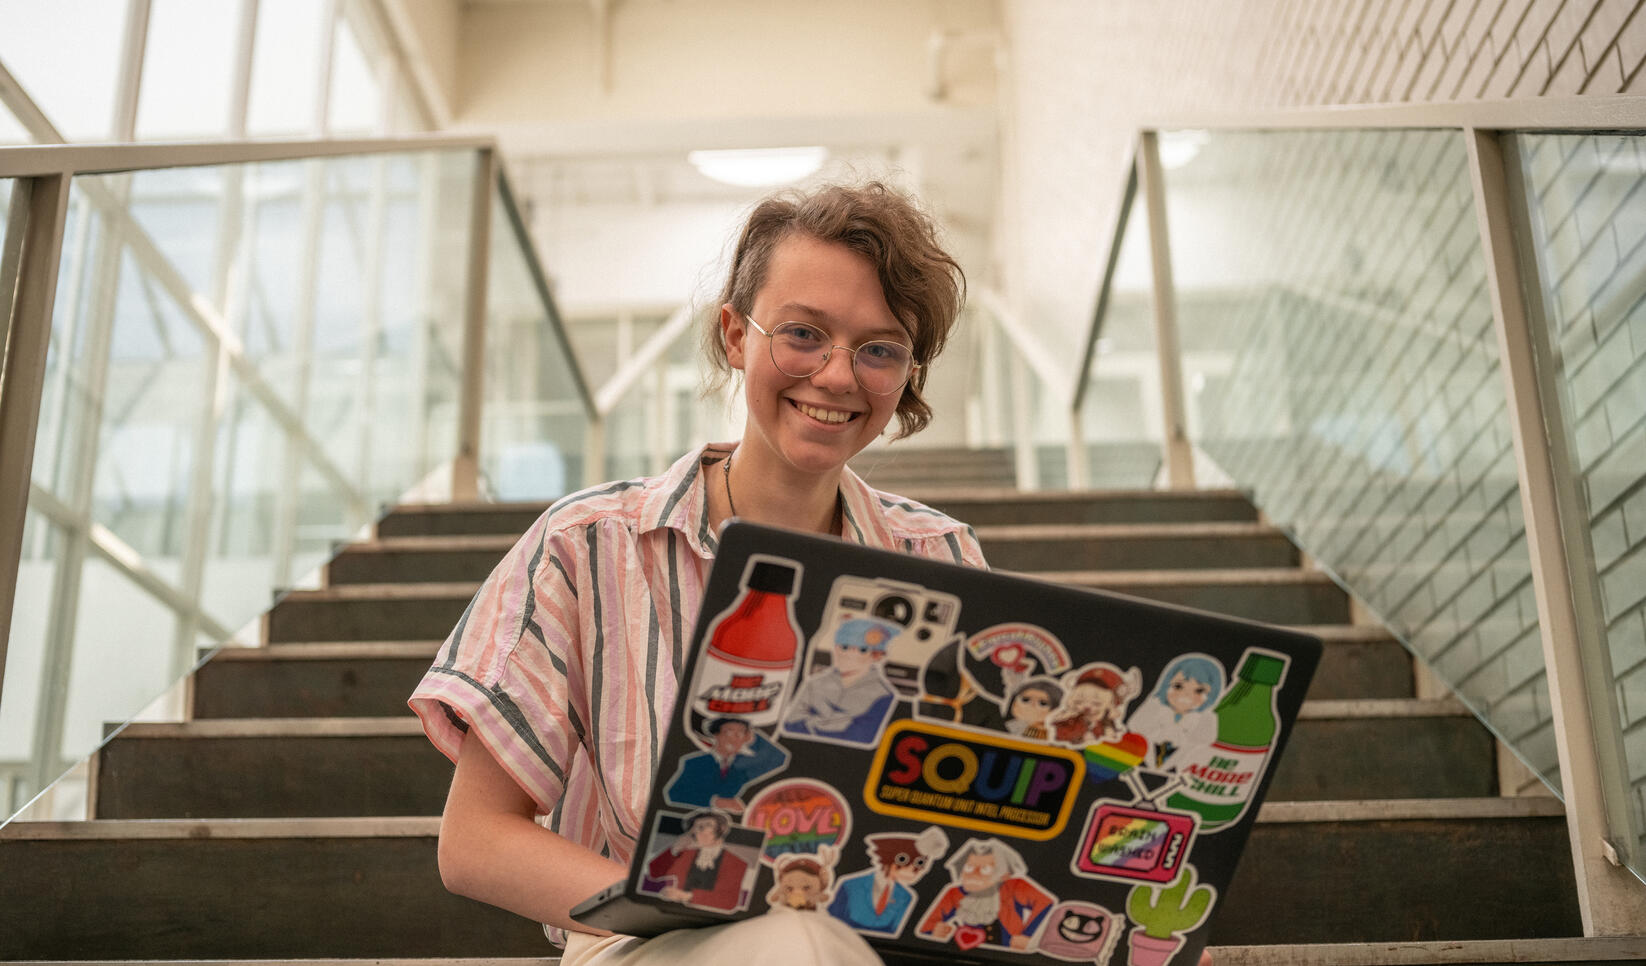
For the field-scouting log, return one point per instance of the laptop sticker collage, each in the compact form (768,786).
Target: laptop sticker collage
(964,755)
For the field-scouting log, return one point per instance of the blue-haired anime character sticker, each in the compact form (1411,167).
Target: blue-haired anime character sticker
(1178,713)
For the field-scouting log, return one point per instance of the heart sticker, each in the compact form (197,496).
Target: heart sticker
(969,937)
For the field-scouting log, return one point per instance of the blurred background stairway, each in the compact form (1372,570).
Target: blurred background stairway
(294,817)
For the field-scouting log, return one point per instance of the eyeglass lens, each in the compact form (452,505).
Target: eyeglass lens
(800,350)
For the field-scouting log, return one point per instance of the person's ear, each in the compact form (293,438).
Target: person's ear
(733,332)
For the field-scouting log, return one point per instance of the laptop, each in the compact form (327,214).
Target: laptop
(965,766)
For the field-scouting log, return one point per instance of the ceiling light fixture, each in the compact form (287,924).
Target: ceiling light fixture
(759,167)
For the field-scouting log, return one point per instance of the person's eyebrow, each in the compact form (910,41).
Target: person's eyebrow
(801,312)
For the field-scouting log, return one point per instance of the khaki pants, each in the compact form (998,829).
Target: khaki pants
(780,936)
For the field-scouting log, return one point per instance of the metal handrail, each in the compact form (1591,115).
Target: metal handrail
(36,160)
(540,282)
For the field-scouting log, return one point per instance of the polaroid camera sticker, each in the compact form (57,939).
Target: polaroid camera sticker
(799,816)
(924,620)
(991,783)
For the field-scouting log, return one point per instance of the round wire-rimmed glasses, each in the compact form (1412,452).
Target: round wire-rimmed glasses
(800,349)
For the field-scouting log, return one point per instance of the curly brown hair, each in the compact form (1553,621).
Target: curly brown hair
(924,286)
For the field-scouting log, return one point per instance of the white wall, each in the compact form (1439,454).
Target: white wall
(1085,76)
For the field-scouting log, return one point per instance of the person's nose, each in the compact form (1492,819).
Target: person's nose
(837,376)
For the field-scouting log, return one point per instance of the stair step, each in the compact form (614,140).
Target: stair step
(282,767)
(459,519)
(384,612)
(341,679)
(329,680)
(283,889)
(443,559)
(1393,871)
(1007,507)
(977,505)
(368,612)
(1479,952)
(313,767)
(1364,872)
(1135,546)
(1271,595)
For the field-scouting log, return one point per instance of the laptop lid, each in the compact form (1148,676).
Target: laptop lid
(963,765)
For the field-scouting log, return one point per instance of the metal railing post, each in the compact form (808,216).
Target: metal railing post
(1150,181)
(471,399)
(1611,901)
(33,244)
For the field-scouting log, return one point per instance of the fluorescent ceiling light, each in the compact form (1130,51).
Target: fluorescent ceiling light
(759,167)
(1178,148)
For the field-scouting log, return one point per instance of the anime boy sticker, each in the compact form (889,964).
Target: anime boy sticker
(1094,704)
(697,869)
(990,901)
(850,700)
(737,757)
(1028,706)
(1177,716)
(879,899)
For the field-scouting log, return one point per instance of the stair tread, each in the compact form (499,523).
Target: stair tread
(363,726)
(1415,809)
(1572,949)
(1124,531)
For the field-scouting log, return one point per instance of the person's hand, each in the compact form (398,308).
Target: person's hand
(943,931)
(1020,942)
(733,805)
(674,894)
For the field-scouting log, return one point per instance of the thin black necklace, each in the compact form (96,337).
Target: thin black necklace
(727,473)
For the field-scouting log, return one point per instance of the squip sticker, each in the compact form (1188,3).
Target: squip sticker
(986,782)
(799,816)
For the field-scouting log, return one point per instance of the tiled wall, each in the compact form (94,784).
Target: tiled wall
(1588,226)
(1085,74)
(1442,557)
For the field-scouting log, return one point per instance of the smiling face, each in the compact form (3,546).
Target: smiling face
(731,738)
(799,889)
(800,429)
(1185,694)
(1091,700)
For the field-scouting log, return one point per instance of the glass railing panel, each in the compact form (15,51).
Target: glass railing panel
(536,419)
(662,415)
(246,363)
(1341,362)
(38,570)
(1587,218)
(1120,413)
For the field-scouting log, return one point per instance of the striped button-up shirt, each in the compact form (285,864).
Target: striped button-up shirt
(566,663)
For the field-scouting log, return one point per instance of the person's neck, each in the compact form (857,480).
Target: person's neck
(769,495)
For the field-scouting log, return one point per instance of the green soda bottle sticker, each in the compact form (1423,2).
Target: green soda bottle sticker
(1219,778)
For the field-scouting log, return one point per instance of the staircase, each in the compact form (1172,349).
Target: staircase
(293,816)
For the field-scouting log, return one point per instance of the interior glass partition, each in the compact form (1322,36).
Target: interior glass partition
(661,415)
(1121,424)
(1341,362)
(246,362)
(1586,232)
(537,411)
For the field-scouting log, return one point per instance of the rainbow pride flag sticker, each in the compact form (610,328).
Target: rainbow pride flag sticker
(1111,759)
